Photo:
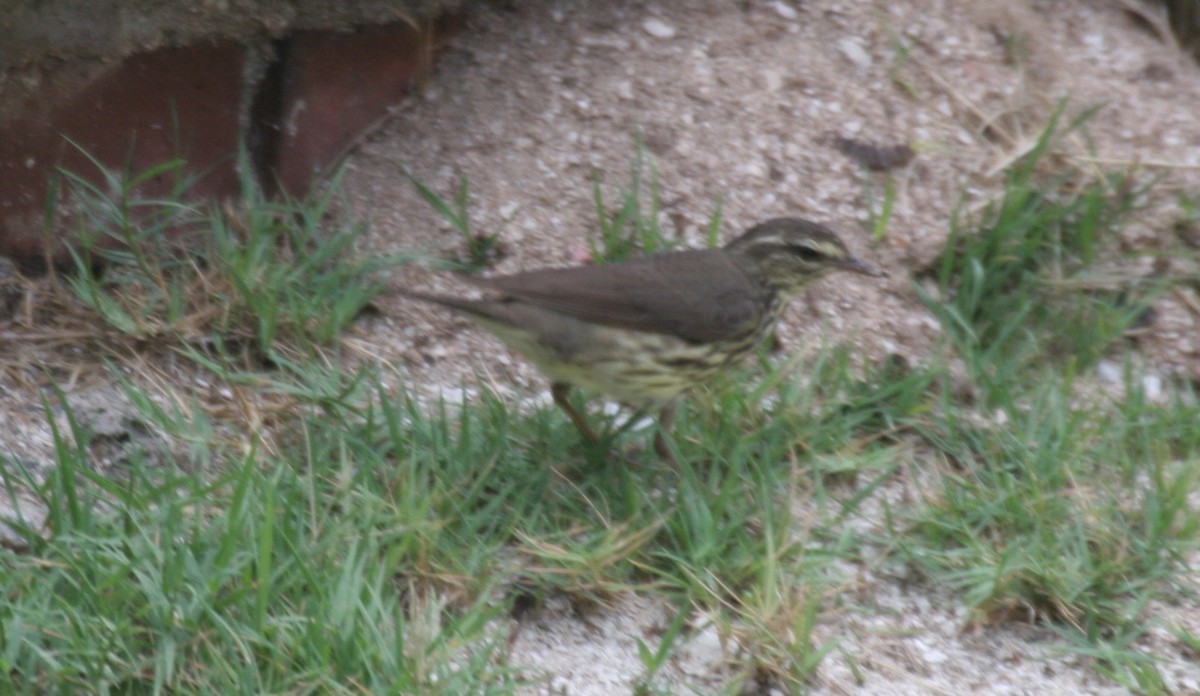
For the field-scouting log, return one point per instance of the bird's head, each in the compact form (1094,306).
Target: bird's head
(790,253)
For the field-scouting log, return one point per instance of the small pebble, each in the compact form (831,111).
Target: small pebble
(658,28)
(703,651)
(785,10)
(1109,372)
(457,396)
(1153,386)
(853,51)
(772,80)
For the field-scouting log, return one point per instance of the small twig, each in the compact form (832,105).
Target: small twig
(1135,162)
(1018,151)
(1156,17)
(18,337)
(1188,300)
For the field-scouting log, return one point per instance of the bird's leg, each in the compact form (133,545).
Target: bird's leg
(665,418)
(559,391)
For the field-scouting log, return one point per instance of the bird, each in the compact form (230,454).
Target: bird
(646,330)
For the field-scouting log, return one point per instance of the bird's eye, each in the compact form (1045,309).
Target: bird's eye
(808,254)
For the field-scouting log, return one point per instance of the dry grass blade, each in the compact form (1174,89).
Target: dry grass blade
(1156,17)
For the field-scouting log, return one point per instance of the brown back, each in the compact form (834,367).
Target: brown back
(701,295)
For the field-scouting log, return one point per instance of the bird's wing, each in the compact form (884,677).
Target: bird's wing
(700,296)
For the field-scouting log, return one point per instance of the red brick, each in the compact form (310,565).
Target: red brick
(336,86)
(148,109)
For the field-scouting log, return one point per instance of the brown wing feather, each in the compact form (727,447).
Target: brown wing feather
(645,294)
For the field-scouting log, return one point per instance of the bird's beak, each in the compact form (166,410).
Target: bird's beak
(860,266)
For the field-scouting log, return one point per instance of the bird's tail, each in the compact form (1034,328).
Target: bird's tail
(472,307)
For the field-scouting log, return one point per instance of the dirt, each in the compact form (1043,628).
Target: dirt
(742,103)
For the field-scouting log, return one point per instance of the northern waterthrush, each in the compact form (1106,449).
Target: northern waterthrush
(645,331)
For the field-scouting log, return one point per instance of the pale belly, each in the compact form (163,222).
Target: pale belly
(629,366)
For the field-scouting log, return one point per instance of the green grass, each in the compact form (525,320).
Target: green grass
(369,541)
(1062,512)
(269,577)
(300,571)
(1019,287)
(255,277)
(480,248)
(632,226)
(1056,503)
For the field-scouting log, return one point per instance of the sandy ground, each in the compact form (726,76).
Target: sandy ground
(739,102)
